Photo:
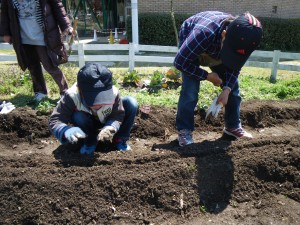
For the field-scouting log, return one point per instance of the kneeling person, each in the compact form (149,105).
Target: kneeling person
(94,104)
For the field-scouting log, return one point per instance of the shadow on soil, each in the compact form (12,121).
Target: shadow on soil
(214,179)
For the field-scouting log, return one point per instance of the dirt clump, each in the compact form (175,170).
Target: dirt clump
(216,180)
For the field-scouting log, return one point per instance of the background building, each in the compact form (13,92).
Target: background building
(262,8)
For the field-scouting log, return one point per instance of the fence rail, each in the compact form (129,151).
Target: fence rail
(133,54)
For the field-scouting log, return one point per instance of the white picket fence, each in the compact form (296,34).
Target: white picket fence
(132,54)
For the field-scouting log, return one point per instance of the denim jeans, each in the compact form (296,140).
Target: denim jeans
(91,126)
(188,100)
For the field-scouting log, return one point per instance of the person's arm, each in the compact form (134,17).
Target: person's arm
(196,43)
(231,80)
(4,28)
(61,16)
(60,117)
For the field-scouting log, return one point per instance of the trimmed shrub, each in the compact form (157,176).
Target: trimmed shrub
(157,29)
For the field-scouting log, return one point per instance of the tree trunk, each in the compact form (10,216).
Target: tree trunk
(174,23)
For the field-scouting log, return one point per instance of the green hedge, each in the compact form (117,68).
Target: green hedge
(281,34)
(157,29)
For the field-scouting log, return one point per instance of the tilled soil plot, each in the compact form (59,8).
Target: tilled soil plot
(213,181)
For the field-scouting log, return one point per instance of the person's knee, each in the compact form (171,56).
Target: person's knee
(81,119)
(53,71)
(130,104)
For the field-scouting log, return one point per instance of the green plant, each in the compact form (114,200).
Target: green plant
(157,79)
(203,209)
(45,107)
(254,84)
(158,29)
(173,74)
(131,77)
(25,79)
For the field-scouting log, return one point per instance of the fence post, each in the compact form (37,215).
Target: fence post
(131,57)
(80,55)
(275,63)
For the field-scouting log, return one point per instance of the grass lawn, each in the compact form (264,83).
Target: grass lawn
(16,85)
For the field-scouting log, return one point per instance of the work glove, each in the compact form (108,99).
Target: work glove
(214,109)
(73,134)
(87,149)
(6,107)
(106,134)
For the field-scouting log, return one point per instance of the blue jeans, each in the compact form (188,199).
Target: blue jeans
(188,100)
(91,126)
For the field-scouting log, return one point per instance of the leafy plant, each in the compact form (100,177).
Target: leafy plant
(157,79)
(45,107)
(25,79)
(173,74)
(203,209)
(131,77)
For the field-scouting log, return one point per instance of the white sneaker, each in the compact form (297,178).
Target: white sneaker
(39,96)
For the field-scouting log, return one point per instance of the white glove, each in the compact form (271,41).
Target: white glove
(214,109)
(72,134)
(6,107)
(106,134)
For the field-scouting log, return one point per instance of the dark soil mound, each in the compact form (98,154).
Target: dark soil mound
(216,180)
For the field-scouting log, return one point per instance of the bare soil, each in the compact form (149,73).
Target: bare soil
(216,180)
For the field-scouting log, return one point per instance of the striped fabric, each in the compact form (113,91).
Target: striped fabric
(39,12)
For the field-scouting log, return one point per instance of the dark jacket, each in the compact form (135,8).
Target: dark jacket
(55,20)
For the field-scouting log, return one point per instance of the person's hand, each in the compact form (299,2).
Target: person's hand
(223,97)
(73,134)
(106,134)
(214,109)
(214,78)
(7,39)
(6,107)
(69,31)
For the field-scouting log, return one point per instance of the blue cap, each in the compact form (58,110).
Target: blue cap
(95,84)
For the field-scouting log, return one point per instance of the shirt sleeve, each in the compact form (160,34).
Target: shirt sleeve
(186,60)
(61,117)
(231,78)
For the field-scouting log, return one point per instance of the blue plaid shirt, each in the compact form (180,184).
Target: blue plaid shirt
(199,34)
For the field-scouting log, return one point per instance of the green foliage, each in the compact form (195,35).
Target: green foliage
(131,77)
(157,29)
(13,80)
(281,34)
(45,107)
(173,74)
(203,209)
(16,86)
(25,79)
(157,79)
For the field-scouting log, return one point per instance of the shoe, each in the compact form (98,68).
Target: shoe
(121,144)
(39,96)
(185,137)
(237,132)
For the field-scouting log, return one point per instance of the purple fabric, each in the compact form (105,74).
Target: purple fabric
(199,34)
